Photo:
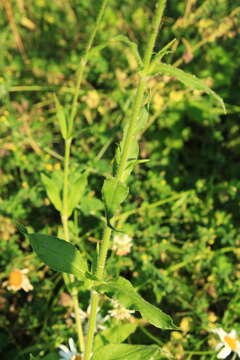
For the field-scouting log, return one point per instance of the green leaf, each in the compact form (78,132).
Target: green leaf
(142,121)
(127,352)
(61,117)
(134,149)
(77,187)
(114,193)
(133,46)
(21,228)
(123,291)
(188,80)
(114,335)
(53,188)
(32,357)
(59,255)
(164,51)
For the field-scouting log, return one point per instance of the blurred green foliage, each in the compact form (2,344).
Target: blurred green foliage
(185,253)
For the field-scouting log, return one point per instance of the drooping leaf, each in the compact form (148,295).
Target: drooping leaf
(114,335)
(53,186)
(61,117)
(114,193)
(188,80)
(127,352)
(59,255)
(123,291)
(133,46)
(76,191)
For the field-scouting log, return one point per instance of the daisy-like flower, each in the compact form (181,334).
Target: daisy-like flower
(122,244)
(119,312)
(17,280)
(69,353)
(229,343)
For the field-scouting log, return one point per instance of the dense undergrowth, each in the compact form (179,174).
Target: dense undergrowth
(183,245)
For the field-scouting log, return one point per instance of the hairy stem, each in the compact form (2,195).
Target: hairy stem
(68,142)
(64,217)
(83,63)
(137,105)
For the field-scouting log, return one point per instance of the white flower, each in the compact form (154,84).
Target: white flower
(122,244)
(69,353)
(228,343)
(119,312)
(18,280)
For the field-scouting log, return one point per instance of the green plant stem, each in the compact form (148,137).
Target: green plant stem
(83,63)
(138,103)
(64,217)
(68,142)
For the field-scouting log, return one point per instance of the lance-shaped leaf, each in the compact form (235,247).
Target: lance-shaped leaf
(114,193)
(76,191)
(188,80)
(59,255)
(61,117)
(133,46)
(123,291)
(53,186)
(114,335)
(164,51)
(134,148)
(127,352)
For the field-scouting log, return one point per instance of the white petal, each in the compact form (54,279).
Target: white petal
(219,345)
(64,348)
(72,346)
(224,352)
(63,354)
(233,334)
(220,332)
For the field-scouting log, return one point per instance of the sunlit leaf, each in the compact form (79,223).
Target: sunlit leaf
(114,193)
(61,117)
(133,46)
(188,80)
(123,291)
(76,191)
(53,186)
(127,352)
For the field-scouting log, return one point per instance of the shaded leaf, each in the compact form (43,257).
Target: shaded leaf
(123,291)
(59,255)
(127,352)
(114,335)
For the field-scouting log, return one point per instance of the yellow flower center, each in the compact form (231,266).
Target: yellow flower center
(15,278)
(232,343)
(76,357)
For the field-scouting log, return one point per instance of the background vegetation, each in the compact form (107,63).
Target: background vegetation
(183,211)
